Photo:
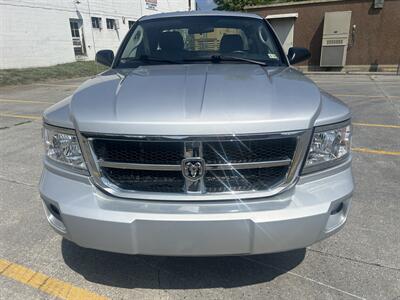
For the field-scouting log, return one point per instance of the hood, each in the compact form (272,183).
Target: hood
(196,99)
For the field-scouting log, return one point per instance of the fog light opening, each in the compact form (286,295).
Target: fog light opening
(54,217)
(337,209)
(55,211)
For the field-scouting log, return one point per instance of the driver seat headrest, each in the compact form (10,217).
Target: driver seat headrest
(230,43)
(171,41)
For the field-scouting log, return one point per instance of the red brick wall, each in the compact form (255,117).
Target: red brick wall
(377,36)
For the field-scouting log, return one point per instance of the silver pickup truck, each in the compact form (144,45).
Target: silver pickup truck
(200,139)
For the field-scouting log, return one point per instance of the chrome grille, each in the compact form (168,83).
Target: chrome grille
(214,152)
(250,165)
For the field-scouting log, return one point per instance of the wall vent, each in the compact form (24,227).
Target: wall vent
(335,42)
(335,39)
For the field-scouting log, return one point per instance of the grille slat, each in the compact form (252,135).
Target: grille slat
(169,155)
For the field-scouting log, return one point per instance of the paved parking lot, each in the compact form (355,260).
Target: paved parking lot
(361,261)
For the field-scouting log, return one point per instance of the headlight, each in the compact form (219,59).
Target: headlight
(61,145)
(330,146)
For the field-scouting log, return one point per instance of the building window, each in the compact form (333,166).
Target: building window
(78,40)
(96,22)
(74,29)
(111,24)
(130,24)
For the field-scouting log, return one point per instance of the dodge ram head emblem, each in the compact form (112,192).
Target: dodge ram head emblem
(193,168)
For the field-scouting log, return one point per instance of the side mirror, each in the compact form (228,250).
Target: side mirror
(105,57)
(297,54)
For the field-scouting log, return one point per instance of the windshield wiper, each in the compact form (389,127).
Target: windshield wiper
(156,59)
(218,58)
(146,58)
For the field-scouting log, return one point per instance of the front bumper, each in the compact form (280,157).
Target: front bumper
(310,211)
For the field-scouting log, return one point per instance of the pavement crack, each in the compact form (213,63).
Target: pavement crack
(355,260)
(43,283)
(387,97)
(6,268)
(22,123)
(17,182)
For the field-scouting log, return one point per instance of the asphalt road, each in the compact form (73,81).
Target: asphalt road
(361,261)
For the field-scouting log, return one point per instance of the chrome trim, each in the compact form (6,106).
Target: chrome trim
(194,149)
(187,138)
(300,154)
(131,166)
(209,167)
(196,193)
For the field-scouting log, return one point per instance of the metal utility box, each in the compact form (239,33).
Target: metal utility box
(335,38)
(378,3)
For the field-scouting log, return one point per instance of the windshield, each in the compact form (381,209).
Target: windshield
(200,39)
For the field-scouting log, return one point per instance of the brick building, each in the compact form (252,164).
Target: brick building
(373,34)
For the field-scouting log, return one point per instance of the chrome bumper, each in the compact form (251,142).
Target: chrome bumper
(310,211)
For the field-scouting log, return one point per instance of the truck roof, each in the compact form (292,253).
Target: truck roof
(200,13)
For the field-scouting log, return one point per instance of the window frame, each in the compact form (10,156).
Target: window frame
(98,20)
(74,30)
(112,22)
